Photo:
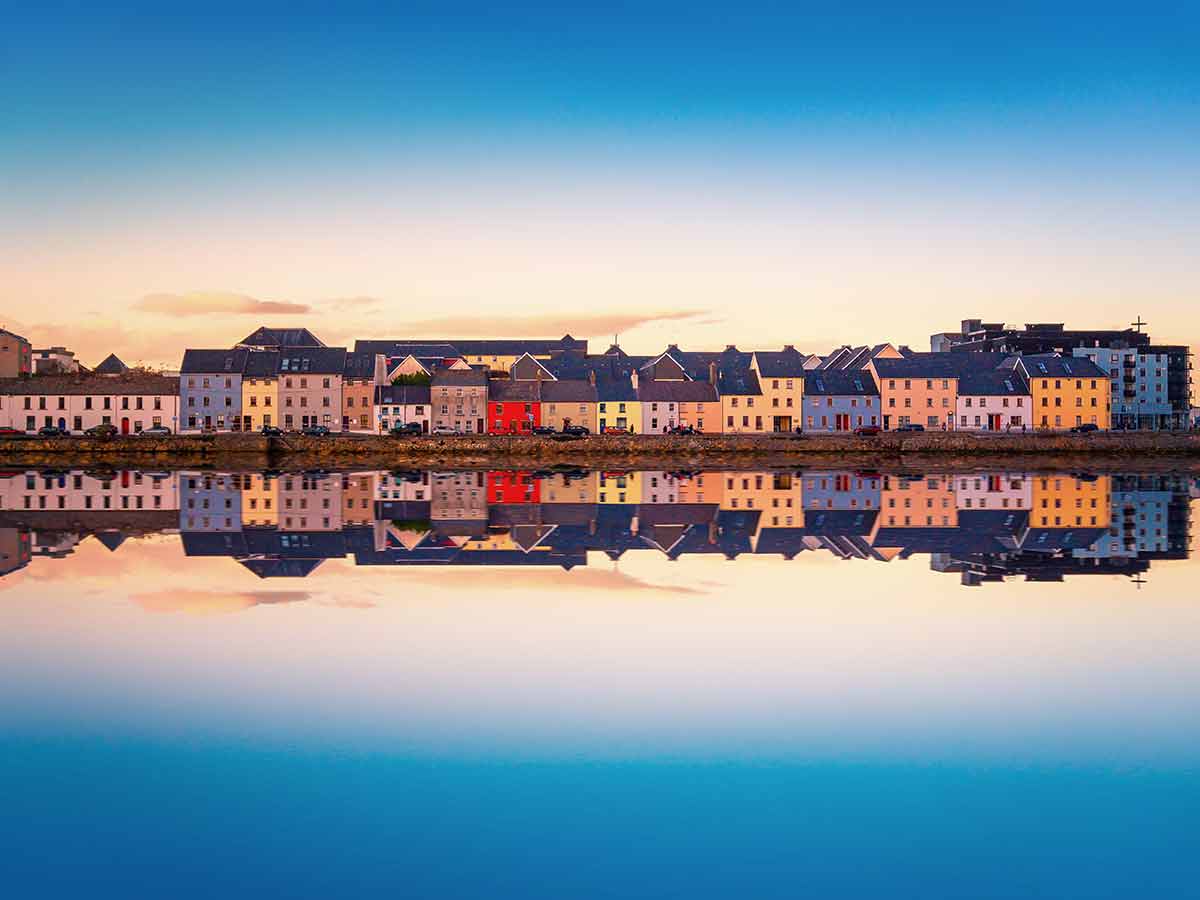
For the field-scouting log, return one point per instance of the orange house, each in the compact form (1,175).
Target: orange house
(921,389)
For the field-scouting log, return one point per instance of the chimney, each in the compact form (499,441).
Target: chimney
(787,347)
(592,377)
(730,347)
(634,378)
(712,374)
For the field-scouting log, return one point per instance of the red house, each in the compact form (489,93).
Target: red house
(514,407)
(513,487)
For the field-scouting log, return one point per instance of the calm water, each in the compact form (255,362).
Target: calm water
(585,684)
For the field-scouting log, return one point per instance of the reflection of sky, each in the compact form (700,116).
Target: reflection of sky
(758,658)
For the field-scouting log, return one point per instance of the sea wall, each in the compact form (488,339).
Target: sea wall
(649,451)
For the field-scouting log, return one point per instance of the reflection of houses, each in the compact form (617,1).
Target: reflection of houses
(993,490)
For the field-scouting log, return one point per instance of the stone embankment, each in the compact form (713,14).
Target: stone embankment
(648,451)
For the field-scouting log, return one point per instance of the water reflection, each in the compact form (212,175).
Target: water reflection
(984,526)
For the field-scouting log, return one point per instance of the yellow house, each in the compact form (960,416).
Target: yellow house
(260,500)
(618,487)
(781,380)
(1067,501)
(260,391)
(1067,391)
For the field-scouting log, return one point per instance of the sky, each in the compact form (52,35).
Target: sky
(698,173)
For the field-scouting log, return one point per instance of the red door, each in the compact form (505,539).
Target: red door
(125,425)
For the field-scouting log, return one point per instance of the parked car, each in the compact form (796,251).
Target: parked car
(52,431)
(103,430)
(156,431)
(543,429)
(11,432)
(405,429)
(867,430)
(270,431)
(315,431)
(911,426)
(576,430)
(444,429)
(616,429)
(1085,428)
(684,429)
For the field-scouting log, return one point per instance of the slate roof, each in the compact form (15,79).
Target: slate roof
(514,391)
(127,384)
(676,392)
(938,365)
(14,335)
(208,362)
(407,348)
(281,337)
(402,395)
(837,383)
(111,365)
(459,378)
(359,365)
(312,360)
(785,363)
(1057,366)
(734,375)
(261,364)
(989,382)
(569,391)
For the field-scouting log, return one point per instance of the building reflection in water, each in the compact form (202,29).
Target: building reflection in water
(985,526)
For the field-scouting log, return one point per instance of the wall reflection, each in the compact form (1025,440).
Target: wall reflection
(985,526)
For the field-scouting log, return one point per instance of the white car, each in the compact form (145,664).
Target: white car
(444,429)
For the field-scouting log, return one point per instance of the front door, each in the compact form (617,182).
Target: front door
(125,425)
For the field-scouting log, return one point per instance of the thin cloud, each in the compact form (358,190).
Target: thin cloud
(203,303)
(545,324)
(352,303)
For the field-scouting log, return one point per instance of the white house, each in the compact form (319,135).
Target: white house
(993,400)
(131,402)
(401,404)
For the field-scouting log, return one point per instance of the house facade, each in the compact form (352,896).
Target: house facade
(260,390)
(362,374)
(568,402)
(1139,383)
(993,400)
(667,404)
(459,400)
(1067,391)
(514,407)
(310,387)
(921,389)
(210,390)
(131,403)
(16,355)
(402,404)
(836,400)
(781,379)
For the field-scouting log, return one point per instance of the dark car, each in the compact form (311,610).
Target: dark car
(270,431)
(405,429)
(543,429)
(103,430)
(315,431)
(911,426)
(683,429)
(1085,428)
(155,431)
(52,431)
(576,430)
(867,430)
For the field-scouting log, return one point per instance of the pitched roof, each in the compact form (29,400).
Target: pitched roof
(281,337)
(13,334)
(676,391)
(402,394)
(514,391)
(459,378)
(111,366)
(836,383)
(261,364)
(1061,366)
(222,362)
(317,360)
(129,383)
(569,391)
(498,347)
(987,382)
(937,365)
(359,365)
(785,363)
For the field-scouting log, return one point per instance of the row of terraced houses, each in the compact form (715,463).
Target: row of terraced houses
(983,378)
